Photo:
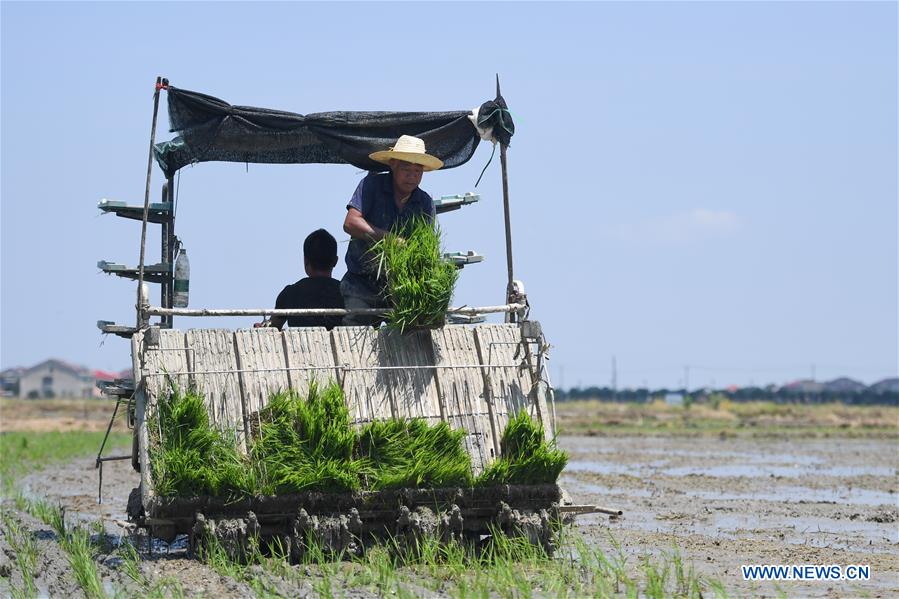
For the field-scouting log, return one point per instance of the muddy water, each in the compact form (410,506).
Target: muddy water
(730,502)
(75,486)
(722,503)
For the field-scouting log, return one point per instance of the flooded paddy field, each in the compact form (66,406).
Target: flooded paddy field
(728,501)
(718,500)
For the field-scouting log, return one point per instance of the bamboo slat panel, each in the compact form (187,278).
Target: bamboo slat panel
(157,368)
(165,364)
(238,371)
(309,347)
(141,417)
(510,388)
(466,405)
(366,390)
(262,364)
(215,363)
(413,390)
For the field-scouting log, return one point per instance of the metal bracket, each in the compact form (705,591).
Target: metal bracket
(460,259)
(454,202)
(108,327)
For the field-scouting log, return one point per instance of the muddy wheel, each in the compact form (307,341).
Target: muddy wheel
(135,454)
(135,508)
(165,532)
(472,539)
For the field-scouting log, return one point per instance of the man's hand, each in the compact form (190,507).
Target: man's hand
(358,228)
(275,323)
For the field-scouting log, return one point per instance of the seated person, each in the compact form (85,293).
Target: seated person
(318,289)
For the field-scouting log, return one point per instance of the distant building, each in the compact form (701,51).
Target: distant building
(102,375)
(804,386)
(55,378)
(844,385)
(674,399)
(890,385)
(9,381)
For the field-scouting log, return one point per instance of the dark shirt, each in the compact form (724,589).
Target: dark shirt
(312,292)
(375,200)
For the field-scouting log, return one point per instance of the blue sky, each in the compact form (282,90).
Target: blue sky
(711,185)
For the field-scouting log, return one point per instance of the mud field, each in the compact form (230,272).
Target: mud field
(720,502)
(727,502)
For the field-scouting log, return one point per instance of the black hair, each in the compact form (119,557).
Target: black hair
(320,249)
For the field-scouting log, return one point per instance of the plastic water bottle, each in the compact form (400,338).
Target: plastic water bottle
(143,300)
(143,294)
(182,280)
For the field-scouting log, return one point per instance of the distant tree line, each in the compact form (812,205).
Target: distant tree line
(865,397)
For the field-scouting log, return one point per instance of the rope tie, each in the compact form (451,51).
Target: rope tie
(483,120)
(486,165)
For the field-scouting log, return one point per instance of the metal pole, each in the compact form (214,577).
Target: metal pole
(100,460)
(502,157)
(159,311)
(510,317)
(164,297)
(143,230)
(168,229)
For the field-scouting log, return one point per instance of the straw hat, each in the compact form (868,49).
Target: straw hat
(410,149)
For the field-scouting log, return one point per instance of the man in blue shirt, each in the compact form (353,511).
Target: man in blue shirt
(380,203)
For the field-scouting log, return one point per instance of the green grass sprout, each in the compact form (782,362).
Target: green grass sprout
(24,547)
(306,443)
(191,458)
(420,282)
(526,457)
(410,453)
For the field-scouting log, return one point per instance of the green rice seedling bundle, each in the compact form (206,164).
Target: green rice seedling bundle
(189,457)
(526,457)
(306,443)
(420,281)
(410,453)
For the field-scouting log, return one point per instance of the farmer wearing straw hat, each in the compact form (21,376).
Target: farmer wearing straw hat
(381,202)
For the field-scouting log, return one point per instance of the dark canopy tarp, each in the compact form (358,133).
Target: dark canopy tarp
(213,130)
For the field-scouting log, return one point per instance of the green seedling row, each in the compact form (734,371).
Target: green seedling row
(413,454)
(526,457)
(190,457)
(307,443)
